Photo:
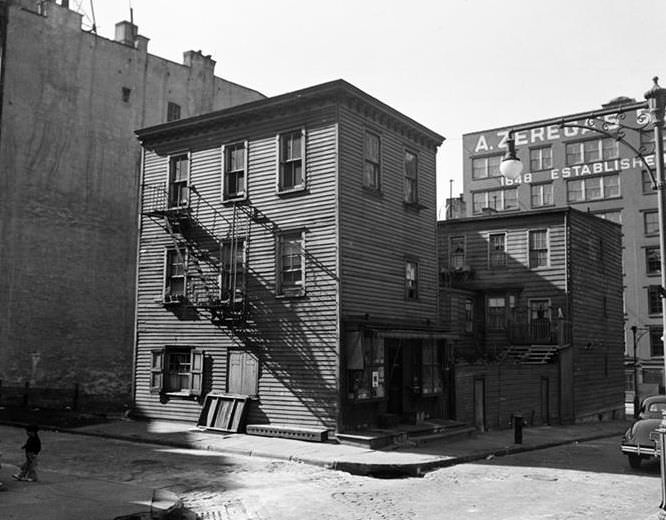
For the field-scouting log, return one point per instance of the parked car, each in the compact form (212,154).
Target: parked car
(640,441)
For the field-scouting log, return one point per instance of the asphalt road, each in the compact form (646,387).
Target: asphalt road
(585,480)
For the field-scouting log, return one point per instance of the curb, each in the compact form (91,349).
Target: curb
(380,470)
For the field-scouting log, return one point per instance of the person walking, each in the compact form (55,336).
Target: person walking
(32,448)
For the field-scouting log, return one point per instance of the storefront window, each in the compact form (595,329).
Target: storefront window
(365,365)
(431,375)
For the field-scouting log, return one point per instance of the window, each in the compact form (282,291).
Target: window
(431,374)
(177,370)
(542,195)
(656,342)
(499,200)
(292,164)
(233,270)
(496,250)
(651,222)
(175,275)
(469,315)
(173,111)
(291,264)
(648,185)
(179,174)
(496,311)
(125,94)
(539,319)
(365,365)
(235,167)
(593,188)
(456,252)
(483,167)
(411,193)
(541,158)
(411,280)
(538,248)
(654,299)
(652,260)
(592,151)
(371,167)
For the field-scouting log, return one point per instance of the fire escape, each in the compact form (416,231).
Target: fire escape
(209,249)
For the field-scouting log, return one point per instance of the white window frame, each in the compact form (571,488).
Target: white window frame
(411,285)
(541,160)
(241,194)
(452,264)
(485,166)
(169,159)
(500,204)
(603,185)
(167,297)
(539,190)
(279,184)
(298,288)
(492,265)
(529,248)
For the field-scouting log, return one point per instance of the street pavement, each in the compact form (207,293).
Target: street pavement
(59,496)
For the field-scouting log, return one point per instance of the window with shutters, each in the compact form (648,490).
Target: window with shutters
(177,370)
(243,374)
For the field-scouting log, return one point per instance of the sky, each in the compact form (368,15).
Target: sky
(455,66)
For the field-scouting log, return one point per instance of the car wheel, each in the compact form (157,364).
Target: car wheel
(634,461)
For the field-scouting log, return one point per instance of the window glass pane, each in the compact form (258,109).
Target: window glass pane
(652,260)
(510,199)
(651,222)
(593,188)
(478,201)
(575,191)
(591,151)
(611,186)
(574,152)
(611,148)
(479,168)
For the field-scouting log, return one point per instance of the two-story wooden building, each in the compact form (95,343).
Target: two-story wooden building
(536,299)
(287,252)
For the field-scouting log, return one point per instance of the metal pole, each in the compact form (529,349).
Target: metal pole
(634,328)
(657,101)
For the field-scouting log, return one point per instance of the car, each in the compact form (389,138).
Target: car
(640,441)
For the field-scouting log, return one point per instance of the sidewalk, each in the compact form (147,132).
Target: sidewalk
(406,460)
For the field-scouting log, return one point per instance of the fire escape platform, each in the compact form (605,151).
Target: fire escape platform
(532,354)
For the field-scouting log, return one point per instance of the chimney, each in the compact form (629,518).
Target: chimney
(195,59)
(126,33)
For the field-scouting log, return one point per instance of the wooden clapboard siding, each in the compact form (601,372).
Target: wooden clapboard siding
(295,339)
(596,273)
(377,231)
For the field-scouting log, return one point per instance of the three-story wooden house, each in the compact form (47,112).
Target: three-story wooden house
(287,252)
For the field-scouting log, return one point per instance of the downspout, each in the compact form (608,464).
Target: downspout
(4,24)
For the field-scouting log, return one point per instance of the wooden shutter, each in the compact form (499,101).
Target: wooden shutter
(196,380)
(157,370)
(243,374)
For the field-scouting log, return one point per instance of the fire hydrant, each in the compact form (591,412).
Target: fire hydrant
(518,423)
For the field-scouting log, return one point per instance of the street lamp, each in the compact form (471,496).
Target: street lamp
(511,168)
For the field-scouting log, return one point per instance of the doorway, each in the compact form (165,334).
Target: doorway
(394,369)
(480,404)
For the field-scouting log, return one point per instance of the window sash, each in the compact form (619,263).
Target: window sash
(484,167)
(656,343)
(291,262)
(496,313)
(179,171)
(652,260)
(542,195)
(497,250)
(175,273)
(541,158)
(291,160)
(651,222)
(654,300)
(411,280)
(371,167)
(457,252)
